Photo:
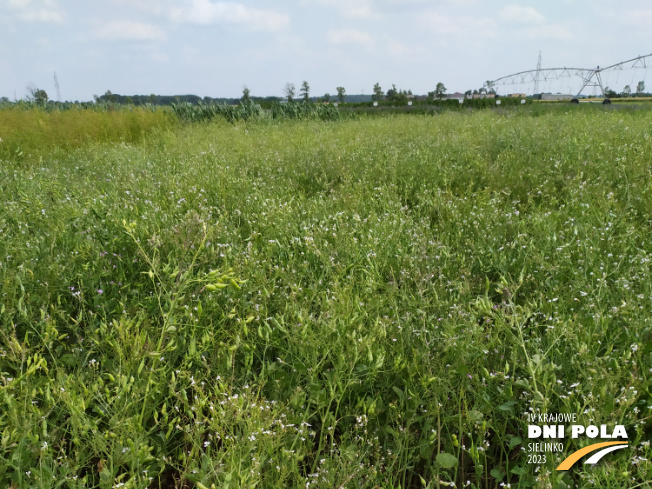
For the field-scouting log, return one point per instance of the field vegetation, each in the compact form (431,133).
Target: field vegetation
(32,129)
(368,302)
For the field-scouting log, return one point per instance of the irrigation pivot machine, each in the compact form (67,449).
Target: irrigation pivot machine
(619,77)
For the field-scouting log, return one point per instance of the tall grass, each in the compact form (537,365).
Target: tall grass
(361,303)
(28,129)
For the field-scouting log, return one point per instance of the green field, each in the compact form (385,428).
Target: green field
(370,302)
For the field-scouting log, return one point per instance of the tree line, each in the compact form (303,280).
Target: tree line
(627,91)
(393,95)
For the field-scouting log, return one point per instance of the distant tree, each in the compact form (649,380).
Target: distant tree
(640,88)
(378,93)
(31,90)
(468,93)
(440,90)
(327,97)
(40,96)
(431,95)
(397,96)
(609,93)
(392,93)
(109,97)
(246,94)
(36,94)
(305,91)
(341,93)
(627,91)
(290,91)
(129,101)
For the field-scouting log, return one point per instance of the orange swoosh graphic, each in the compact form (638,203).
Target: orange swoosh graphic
(570,461)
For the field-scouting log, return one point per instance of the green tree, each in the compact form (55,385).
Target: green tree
(327,97)
(378,93)
(246,94)
(440,90)
(627,91)
(640,88)
(397,96)
(392,93)
(305,91)
(40,96)
(290,91)
(609,93)
(341,93)
(109,97)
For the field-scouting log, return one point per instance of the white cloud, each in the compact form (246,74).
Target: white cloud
(552,31)
(35,11)
(460,29)
(394,47)
(520,14)
(640,18)
(208,12)
(363,9)
(349,36)
(126,30)
(368,9)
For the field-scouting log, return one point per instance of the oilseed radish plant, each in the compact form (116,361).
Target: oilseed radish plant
(372,302)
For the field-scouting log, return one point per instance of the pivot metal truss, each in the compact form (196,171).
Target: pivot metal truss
(589,77)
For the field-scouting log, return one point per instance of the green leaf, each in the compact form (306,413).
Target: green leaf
(518,471)
(446,460)
(498,473)
(462,369)
(514,440)
(508,406)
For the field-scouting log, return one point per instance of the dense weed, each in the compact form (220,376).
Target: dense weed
(368,303)
(38,131)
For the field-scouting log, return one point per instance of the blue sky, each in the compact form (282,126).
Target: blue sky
(214,48)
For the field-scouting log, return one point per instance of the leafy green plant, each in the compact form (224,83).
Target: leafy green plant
(375,302)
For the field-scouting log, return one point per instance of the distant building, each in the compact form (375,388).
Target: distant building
(484,95)
(456,96)
(556,96)
(517,95)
